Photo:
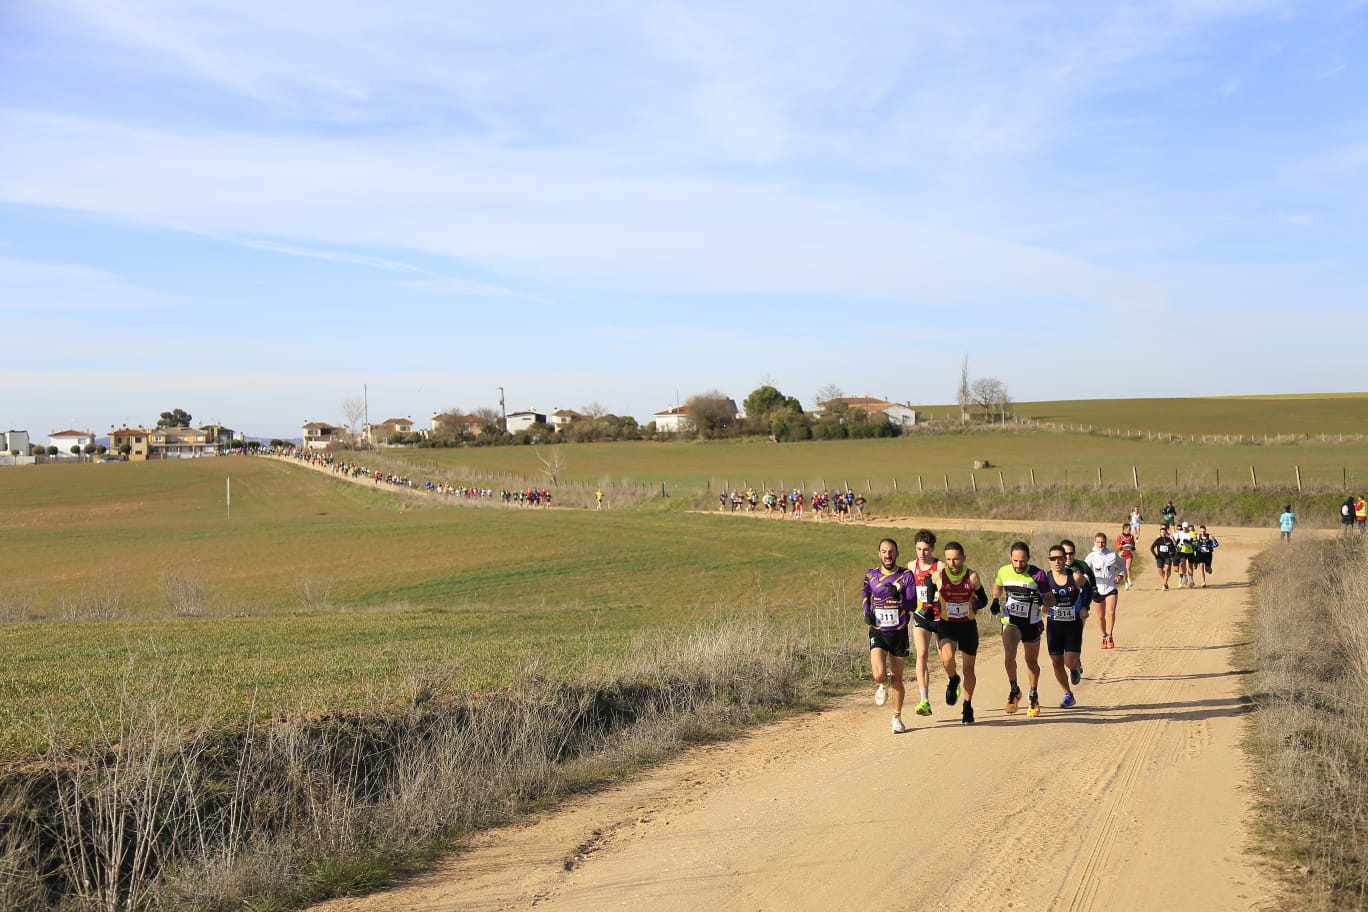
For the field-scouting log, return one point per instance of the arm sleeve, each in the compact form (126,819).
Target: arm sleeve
(980,599)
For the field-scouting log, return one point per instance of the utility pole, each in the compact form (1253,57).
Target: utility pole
(503,411)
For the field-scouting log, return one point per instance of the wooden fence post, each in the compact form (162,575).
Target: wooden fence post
(973,482)
(947,484)
(1299,484)
(920,489)
(1135,478)
(1099,476)
(1254,478)
(1002,483)
(1033,484)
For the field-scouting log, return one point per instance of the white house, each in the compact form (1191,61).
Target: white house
(563,418)
(65,440)
(521,421)
(673,420)
(18,441)
(317,435)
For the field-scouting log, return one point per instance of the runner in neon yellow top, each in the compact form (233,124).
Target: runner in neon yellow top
(1026,589)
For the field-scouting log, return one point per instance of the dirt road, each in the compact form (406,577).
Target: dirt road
(1136,799)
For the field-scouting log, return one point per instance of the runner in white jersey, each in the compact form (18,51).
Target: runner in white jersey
(1109,571)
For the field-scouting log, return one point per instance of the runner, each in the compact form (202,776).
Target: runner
(1360,513)
(924,617)
(1108,569)
(1187,553)
(1164,550)
(1135,520)
(1026,588)
(1205,546)
(1078,566)
(884,597)
(1347,514)
(1064,627)
(1125,546)
(958,593)
(1169,514)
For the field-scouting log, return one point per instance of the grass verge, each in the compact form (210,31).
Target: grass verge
(1309,740)
(164,810)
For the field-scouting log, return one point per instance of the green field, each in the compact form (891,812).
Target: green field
(1309,415)
(919,461)
(315,592)
(322,594)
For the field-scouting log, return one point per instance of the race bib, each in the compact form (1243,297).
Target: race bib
(1064,613)
(1019,608)
(1163,549)
(957,611)
(887,617)
(921,595)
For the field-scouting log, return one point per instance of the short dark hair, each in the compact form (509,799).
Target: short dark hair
(1067,545)
(925,535)
(1021,546)
(890,541)
(953,546)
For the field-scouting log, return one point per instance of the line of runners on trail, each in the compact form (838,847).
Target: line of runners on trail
(906,607)
(841,504)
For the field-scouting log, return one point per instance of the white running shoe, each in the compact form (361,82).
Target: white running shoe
(880,695)
(898,727)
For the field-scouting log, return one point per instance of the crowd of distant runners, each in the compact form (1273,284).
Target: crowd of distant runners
(936,600)
(841,505)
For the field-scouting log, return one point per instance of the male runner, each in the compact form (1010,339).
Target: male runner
(1078,566)
(1205,546)
(1026,588)
(1187,553)
(924,617)
(1164,549)
(885,597)
(1286,522)
(1125,546)
(958,593)
(1108,570)
(1064,626)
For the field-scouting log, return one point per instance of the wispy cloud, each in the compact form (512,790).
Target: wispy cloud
(38,287)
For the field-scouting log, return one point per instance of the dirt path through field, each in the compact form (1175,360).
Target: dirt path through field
(1137,799)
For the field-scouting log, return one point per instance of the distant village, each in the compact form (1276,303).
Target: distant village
(710,416)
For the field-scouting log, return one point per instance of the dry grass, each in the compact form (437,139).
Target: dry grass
(1310,737)
(163,811)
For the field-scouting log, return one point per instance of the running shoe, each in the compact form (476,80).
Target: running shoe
(1013,698)
(880,695)
(1111,643)
(967,714)
(1067,701)
(952,690)
(898,727)
(1075,675)
(1104,641)
(1166,586)
(924,708)
(1033,704)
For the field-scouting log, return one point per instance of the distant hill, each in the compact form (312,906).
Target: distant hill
(1298,413)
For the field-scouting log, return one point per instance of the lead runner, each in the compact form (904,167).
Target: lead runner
(885,598)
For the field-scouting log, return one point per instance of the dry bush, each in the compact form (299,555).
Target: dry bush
(162,812)
(95,602)
(1311,732)
(314,595)
(16,608)
(183,594)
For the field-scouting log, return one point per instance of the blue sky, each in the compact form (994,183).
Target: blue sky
(249,210)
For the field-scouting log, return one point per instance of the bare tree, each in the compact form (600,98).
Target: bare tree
(829,393)
(552,466)
(990,394)
(963,397)
(593,410)
(490,419)
(353,411)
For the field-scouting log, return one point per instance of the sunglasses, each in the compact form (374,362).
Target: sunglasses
(1055,557)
